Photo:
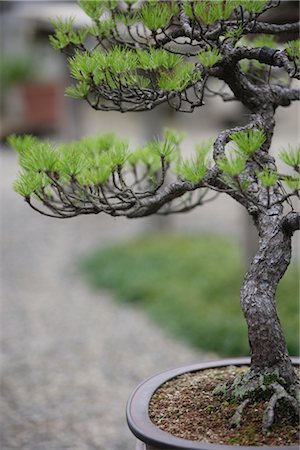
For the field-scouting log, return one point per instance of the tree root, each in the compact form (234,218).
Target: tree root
(236,419)
(282,399)
(279,394)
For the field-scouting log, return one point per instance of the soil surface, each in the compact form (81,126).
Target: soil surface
(187,408)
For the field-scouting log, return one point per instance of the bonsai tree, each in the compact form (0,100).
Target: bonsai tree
(135,56)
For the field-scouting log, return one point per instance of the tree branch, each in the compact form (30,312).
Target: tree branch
(152,204)
(272,28)
(291,222)
(185,23)
(284,96)
(275,58)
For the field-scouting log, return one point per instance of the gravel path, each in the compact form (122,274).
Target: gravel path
(71,356)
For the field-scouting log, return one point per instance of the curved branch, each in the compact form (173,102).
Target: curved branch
(265,55)
(252,204)
(152,204)
(272,28)
(284,95)
(185,23)
(223,137)
(291,222)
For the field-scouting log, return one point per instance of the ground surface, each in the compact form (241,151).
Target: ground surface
(70,357)
(186,407)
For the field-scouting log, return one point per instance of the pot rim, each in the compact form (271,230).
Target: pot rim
(144,429)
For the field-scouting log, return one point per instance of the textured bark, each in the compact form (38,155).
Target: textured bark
(291,222)
(267,343)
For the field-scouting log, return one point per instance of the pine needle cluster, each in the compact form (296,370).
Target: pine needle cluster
(134,56)
(105,165)
(129,60)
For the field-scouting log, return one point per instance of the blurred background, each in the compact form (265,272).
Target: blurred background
(71,353)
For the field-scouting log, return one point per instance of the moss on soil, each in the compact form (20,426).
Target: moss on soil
(186,407)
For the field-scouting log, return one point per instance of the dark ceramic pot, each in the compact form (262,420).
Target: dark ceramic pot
(151,437)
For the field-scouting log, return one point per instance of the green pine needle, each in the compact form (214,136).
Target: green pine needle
(119,154)
(291,157)
(234,35)
(88,160)
(22,143)
(157,58)
(293,50)
(80,90)
(195,169)
(146,156)
(102,28)
(29,183)
(179,78)
(268,178)
(254,6)
(157,15)
(264,40)
(209,57)
(163,148)
(209,11)
(293,183)
(174,136)
(40,157)
(232,165)
(95,8)
(249,141)
(71,162)
(65,34)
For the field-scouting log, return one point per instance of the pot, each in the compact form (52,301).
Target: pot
(41,104)
(150,437)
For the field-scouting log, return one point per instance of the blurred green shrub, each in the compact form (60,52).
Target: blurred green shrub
(190,285)
(15,69)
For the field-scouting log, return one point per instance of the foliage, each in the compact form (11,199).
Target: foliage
(291,157)
(157,14)
(121,66)
(254,6)
(129,52)
(91,161)
(102,28)
(209,57)
(80,90)
(249,141)
(29,183)
(293,182)
(209,11)
(155,59)
(264,40)
(292,49)
(189,284)
(178,79)
(194,170)
(232,165)
(268,178)
(95,8)
(94,161)
(15,69)
(65,34)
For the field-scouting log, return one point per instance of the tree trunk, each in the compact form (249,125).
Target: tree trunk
(268,348)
